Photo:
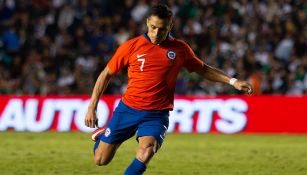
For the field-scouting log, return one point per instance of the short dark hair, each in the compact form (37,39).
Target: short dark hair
(162,11)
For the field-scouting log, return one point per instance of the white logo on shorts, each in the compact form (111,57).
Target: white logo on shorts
(107,132)
(162,135)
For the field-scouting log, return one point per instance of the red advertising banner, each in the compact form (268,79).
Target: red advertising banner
(198,114)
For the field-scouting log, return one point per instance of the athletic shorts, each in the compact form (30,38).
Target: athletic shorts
(127,121)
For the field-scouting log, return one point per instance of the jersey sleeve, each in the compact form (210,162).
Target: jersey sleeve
(192,63)
(120,58)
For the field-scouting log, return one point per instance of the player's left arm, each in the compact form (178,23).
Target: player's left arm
(214,74)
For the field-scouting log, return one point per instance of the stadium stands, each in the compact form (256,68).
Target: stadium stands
(54,47)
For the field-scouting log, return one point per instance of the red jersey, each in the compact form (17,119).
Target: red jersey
(152,70)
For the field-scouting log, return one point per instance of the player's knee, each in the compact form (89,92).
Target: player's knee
(145,152)
(101,161)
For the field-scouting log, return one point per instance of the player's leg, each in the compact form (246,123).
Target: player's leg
(148,146)
(109,141)
(121,127)
(150,135)
(104,152)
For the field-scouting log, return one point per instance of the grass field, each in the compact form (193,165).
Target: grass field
(182,154)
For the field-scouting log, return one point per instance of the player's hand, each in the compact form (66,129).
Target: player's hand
(91,119)
(244,87)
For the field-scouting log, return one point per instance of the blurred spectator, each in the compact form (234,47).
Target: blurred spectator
(139,11)
(60,47)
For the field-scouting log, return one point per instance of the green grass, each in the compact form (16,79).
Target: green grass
(182,154)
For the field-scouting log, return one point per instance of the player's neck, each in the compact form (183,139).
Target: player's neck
(148,39)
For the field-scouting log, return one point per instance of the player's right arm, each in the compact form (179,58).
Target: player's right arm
(102,82)
(116,63)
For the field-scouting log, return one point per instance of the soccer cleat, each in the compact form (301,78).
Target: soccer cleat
(97,133)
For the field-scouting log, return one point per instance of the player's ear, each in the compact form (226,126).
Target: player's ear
(171,26)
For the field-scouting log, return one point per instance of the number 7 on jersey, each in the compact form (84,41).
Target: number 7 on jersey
(142,64)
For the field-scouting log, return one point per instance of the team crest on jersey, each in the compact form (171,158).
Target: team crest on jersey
(107,132)
(171,55)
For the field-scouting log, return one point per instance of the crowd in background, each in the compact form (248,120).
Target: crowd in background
(61,46)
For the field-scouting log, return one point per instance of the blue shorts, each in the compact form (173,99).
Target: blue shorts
(126,121)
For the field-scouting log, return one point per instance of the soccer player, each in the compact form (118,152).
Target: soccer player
(154,60)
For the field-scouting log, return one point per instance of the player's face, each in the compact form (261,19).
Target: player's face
(158,29)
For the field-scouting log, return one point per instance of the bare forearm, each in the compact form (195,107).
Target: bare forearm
(217,75)
(100,86)
(214,74)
